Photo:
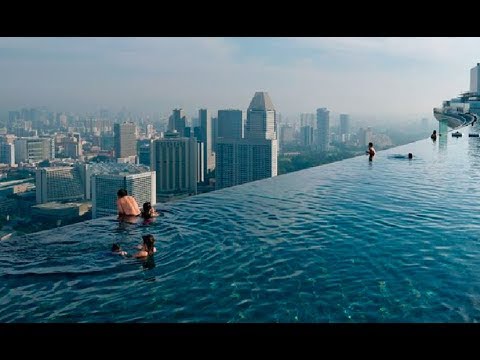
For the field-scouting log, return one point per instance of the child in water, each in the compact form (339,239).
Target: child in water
(116,250)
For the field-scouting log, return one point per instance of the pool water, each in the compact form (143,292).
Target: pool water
(392,240)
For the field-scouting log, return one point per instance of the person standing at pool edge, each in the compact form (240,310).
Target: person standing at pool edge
(127,205)
(434,135)
(370,152)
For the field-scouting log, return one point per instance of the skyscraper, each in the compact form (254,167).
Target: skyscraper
(306,135)
(243,160)
(125,140)
(475,79)
(323,129)
(7,153)
(58,184)
(260,118)
(144,151)
(177,121)
(230,124)
(254,157)
(206,138)
(344,126)
(175,161)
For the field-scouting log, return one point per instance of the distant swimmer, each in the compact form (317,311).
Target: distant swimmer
(370,152)
(400,156)
(434,135)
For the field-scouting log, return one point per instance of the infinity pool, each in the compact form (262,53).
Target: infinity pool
(395,240)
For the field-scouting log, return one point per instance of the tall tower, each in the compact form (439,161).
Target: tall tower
(174,159)
(344,126)
(206,138)
(177,121)
(475,79)
(125,140)
(254,157)
(323,129)
(260,118)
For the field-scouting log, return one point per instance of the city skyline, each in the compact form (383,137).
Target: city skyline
(347,75)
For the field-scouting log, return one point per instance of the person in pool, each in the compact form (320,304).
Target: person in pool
(147,248)
(116,250)
(434,135)
(400,156)
(127,206)
(370,152)
(148,211)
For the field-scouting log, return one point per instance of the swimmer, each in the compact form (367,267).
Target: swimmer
(147,248)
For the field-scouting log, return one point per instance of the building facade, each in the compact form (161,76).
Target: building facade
(323,129)
(230,124)
(243,160)
(58,184)
(175,161)
(125,140)
(206,138)
(7,153)
(31,150)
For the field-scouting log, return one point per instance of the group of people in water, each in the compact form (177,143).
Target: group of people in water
(129,211)
(371,153)
(371,150)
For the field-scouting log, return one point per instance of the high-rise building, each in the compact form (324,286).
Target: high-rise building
(306,135)
(240,161)
(200,160)
(125,140)
(307,120)
(109,178)
(260,118)
(78,139)
(344,126)
(206,139)
(34,149)
(73,146)
(475,79)
(177,121)
(214,133)
(174,159)
(230,124)
(59,184)
(7,153)
(323,129)
(144,152)
(255,157)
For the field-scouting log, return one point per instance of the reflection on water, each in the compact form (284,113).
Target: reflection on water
(336,243)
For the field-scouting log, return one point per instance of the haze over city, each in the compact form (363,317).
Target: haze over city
(377,77)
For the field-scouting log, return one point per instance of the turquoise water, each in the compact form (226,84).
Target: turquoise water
(395,240)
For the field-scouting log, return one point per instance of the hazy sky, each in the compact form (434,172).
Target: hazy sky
(383,76)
